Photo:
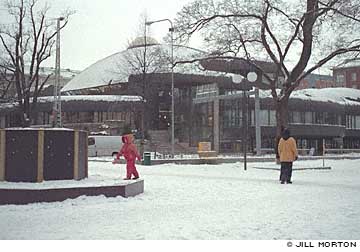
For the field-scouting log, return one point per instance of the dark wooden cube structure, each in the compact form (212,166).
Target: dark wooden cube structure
(34,155)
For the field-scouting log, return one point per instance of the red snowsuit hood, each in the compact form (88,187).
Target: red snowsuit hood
(128,150)
(127,138)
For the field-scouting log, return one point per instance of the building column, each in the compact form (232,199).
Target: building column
(216,123)
(257,122)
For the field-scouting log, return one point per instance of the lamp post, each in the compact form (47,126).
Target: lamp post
(57,89)
(239,79)
(171,30)
(251,77)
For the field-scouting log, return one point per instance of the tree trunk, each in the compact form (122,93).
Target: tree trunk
(282,119)
(34,112)
(26,118)
(282,116)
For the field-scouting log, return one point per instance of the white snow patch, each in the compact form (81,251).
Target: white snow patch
(202,202)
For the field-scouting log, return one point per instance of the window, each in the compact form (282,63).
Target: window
(296,117)
(91,141)
(350,121)
(309,117)
(329,118)
(338,120)
(272,117)
(252,116)
(231,113)
(340,79)
(357,122)
(264,117)
(183,95)
(319,118)
(206,90)
(353,76)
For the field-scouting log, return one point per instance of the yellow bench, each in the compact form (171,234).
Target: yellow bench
(204,150)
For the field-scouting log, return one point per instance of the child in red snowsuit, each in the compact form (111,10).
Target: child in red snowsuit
(130,153)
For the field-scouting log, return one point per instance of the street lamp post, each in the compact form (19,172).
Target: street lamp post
(251,77)
(238,79)
(57,89)
(171,29)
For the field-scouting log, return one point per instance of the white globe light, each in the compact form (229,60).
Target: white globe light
(251,76)
(236,78)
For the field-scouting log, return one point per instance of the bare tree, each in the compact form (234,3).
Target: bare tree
(27,40)
(144,57)
(6,82)
(297,36)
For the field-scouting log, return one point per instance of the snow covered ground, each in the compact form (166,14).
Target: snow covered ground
(201,202)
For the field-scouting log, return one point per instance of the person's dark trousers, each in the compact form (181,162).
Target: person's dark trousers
(286,171)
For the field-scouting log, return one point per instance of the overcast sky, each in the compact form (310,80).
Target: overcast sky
(100,28)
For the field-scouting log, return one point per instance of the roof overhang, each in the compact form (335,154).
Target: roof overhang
(241,67)
(181,80)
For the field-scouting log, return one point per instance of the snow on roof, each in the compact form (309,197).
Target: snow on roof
(67,98)
(36,128)
(141,41)
(344,96)
(64,73)
(107,98)
(116,68)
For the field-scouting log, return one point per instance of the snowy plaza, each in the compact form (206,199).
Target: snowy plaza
(201,202)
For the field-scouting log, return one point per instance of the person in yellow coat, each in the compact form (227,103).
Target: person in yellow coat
(288,154)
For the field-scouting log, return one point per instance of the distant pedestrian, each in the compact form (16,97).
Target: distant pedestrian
(288,154)
(130,153)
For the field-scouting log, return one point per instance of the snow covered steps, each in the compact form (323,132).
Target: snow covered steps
(23,195)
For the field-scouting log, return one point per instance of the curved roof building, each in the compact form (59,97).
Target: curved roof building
(117,68)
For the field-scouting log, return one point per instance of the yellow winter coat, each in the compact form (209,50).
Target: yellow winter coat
(287,150)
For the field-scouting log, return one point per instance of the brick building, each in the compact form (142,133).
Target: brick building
(317,81)
(348,74)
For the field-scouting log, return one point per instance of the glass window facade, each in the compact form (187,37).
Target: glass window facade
(202,123)
(207,90)
(231,113)
(296,117)
(309,117)
(352,122)
(264,117)
(272,118)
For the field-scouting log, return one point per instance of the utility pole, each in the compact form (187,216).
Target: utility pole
(57,89)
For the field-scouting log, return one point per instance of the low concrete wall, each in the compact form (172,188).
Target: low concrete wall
(34,155)
(26,196)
